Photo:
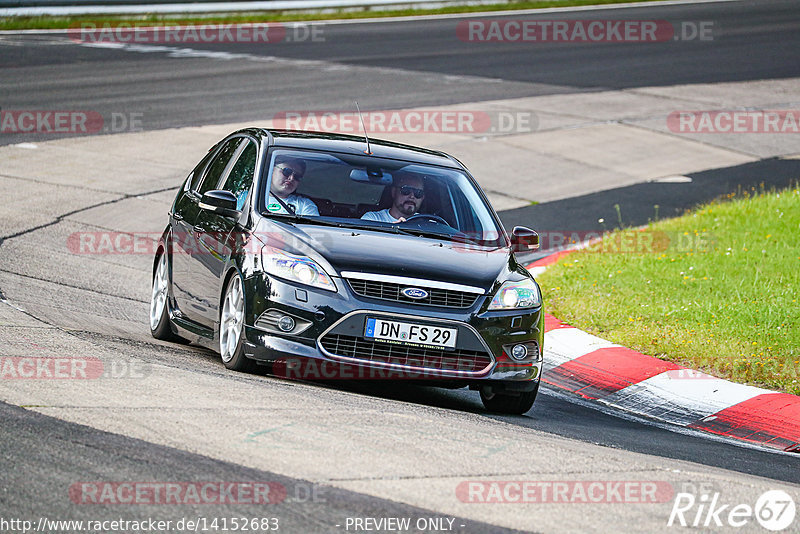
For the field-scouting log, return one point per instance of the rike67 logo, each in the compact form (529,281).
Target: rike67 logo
(774,510)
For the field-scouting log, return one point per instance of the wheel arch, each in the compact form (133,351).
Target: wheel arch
(161,248)
(233,270)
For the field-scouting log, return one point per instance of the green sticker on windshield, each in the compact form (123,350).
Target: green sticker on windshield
(274,206)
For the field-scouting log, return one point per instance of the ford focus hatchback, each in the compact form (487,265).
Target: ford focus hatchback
(323,256)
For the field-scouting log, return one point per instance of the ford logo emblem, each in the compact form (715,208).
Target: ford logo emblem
(415,293)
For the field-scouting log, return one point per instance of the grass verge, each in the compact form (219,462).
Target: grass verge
(714,290)
(62,22)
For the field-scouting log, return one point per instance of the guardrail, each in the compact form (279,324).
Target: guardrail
(10,8)
(67,3)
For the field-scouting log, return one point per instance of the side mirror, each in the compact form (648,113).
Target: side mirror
(524,239)
(220,201)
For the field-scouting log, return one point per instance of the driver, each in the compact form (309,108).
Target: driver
(408,192)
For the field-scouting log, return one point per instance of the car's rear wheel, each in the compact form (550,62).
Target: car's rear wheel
(231,328)
(159,312)
(516,403)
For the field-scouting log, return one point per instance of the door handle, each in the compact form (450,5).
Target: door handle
(199,229)
(177,216)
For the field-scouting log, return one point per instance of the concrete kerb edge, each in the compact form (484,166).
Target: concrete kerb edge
(597,370)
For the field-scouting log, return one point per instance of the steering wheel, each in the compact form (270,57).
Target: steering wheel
(430,217)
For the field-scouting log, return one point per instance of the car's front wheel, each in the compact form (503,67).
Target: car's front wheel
(231,328)
(516,403)
(159,312)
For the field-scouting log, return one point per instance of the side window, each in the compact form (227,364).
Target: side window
(218,165)
(241,176)
(197,173)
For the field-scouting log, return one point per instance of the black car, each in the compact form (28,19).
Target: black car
(334,256)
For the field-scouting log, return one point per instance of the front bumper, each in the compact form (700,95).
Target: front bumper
(324,315)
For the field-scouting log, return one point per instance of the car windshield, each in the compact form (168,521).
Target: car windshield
(380,194)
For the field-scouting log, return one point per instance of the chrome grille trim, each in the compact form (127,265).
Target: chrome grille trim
(404,280)
(391,291)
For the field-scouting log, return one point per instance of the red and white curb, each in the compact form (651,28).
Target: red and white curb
(595,369)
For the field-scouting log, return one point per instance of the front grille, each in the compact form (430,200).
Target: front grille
(466,361)
(391,291)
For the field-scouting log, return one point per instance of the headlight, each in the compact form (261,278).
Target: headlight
(300,269)
(513,295)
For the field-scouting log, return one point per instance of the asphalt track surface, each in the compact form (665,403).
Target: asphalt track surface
(384,66)
(391,65)
(49,455)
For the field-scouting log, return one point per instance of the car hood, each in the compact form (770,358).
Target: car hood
(368,251)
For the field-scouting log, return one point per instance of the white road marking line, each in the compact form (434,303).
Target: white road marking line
(192,53)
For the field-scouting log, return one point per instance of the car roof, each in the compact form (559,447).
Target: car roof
(353,144)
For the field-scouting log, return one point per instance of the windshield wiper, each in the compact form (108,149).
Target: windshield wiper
(427,233)
(458,237)
(306,219)
(326,222)
(393,229)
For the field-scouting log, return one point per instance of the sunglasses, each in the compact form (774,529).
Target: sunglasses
(406,190)
(287,172)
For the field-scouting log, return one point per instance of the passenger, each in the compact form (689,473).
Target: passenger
(408,193)
(286,177)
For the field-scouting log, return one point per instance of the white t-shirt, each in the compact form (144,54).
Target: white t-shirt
(301,205)
(380,216)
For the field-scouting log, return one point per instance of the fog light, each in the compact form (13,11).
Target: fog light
(279,322)
(519,352)
(286,323)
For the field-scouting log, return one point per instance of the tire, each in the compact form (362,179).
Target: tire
(231,328)
(160,327)
(510,403)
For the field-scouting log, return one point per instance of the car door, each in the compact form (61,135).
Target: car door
(217,235)
(189,276)
(182,218)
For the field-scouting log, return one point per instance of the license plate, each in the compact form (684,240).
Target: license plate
(411,333)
